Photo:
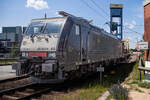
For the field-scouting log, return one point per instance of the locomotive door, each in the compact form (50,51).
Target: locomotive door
(76,45)
(80,45)
(78,32)
(83,42)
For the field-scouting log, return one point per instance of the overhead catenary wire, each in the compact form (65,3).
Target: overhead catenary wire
(100,8)
(97,12)
(139,25)
(108,14)
(133,30)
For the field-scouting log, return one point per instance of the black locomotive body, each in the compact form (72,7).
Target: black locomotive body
(56,49)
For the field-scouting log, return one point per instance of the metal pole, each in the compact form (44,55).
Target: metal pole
(100,77)
(140,76)
(140,61)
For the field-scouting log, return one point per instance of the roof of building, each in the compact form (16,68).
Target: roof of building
(146,2)
(10,29)
(116,5)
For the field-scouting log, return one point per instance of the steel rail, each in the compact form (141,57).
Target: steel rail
(14,78)
(11,90)
(36,94)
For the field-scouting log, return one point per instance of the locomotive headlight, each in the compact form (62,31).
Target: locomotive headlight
(23,54)
(52,55)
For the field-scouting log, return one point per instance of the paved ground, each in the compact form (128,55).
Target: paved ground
(132,58)
(134,95)
(104,96)
(137,93)
(6,71)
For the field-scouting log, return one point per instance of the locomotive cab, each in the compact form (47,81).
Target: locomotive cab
(41,38)
(39,49)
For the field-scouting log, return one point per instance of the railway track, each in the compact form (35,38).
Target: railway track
(34,90)
(25,92)
(14,78)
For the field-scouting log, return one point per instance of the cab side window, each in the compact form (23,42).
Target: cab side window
(77,29)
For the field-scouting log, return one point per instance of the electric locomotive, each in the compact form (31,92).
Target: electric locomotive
(61,48)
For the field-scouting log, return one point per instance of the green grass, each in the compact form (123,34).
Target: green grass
(139,90)
(7,61)
(144,84)
(88,92)
(92,90)
(109,97)
(133,82)
(135,78)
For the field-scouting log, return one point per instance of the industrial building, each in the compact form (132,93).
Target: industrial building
(11,36)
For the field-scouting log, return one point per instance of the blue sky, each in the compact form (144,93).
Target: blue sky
(20,12)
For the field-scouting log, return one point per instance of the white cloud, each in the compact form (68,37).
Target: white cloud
(131,25)
(37,4)
(133,22)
